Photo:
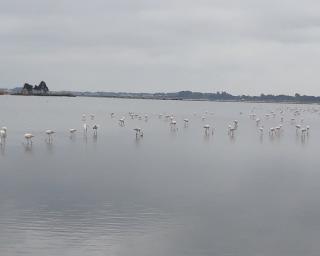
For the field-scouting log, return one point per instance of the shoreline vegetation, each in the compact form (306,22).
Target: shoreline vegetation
(43,90)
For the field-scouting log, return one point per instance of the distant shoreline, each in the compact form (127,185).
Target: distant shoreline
(164,98)
(45,95)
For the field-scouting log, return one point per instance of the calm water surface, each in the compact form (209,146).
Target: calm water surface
(168,193)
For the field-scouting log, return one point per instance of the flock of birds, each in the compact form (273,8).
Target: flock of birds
(301,129)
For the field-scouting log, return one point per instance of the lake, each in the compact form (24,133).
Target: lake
(174,191)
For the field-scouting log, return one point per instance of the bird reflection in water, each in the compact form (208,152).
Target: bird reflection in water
(28,147)
(85,138)
(49,147)
(2,148)
(95,138)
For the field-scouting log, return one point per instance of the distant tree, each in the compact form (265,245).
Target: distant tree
(43,87)
(27,87)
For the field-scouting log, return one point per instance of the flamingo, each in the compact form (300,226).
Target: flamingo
(28,137)
(50,133)
(272,131)
(278,129)
(3,134)
(173,124)
(261,130)
(72,132)
(231,131)
(206,129)
(85,128)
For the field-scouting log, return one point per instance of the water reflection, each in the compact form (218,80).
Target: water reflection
(3,148)
(50,147)
(85,138)
(95,138)
(261,138)
(28,147)
(171,192)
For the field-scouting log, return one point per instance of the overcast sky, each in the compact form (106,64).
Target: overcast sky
(239,46)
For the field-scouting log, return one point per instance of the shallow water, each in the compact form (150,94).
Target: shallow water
(167,193)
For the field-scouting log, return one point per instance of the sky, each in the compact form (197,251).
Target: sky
(238,46)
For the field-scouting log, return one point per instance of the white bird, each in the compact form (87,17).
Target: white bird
(3,132)
(298,127)
(272,131)
(231,131)
(261,130)
(85,128)
(186,122)
(3,135)
(28,137)
(173,124)
(72,132)
(92,116)
(206,129)
(50,133)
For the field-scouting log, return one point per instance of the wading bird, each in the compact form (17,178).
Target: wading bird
(72,132)
(50,135)
(85,128)
(28,137)
(206,129)
(3,135)
(173,124)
